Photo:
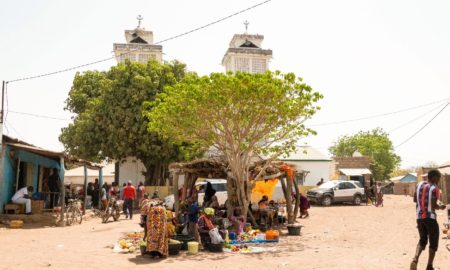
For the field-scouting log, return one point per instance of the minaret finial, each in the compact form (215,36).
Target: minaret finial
(139,18)
(246,23)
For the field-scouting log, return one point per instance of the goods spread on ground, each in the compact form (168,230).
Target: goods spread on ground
(244,249)
(255,236)
(129,243)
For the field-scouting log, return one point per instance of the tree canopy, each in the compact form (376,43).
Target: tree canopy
(239,114)
(109,123)
(375,144)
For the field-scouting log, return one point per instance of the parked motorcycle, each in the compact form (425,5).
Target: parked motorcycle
(112,209)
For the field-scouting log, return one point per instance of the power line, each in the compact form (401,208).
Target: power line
(7,123)
(159,42)
(415,119)
(420,129)
(214,22)
(379,115)
(41,116)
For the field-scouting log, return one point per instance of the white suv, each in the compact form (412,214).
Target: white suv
(337,191)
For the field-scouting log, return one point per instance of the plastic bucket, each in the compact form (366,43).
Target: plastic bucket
(192,247)
(294,230)
(261,236)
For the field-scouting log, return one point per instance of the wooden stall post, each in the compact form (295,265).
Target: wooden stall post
(100,184)
(176,194)
(85,189)
(63,199)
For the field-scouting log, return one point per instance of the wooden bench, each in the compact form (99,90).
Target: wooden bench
(14,208)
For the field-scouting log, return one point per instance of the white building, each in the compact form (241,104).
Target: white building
(246,54)
(312,161)
(75,176)
(131,169)
(139,46)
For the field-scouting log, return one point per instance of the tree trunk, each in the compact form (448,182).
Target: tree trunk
(297,200)
(287,187)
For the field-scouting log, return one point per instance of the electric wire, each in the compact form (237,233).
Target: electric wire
(423,127)
(7,123)
(380,115)
(415,119)
(159,42)
(41,116)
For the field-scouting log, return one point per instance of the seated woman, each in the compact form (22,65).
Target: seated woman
(205,224)
(262,206)
(238,221)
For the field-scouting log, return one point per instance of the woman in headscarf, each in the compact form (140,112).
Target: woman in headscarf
(205,224)
(157,232)
(209,193)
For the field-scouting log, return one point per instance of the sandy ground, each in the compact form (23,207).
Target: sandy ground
(337,237)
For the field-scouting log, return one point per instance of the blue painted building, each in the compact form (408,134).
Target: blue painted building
(23,164)
(409,178)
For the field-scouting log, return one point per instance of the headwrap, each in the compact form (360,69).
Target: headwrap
(209,211)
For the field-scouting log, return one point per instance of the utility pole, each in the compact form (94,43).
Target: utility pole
(2,180)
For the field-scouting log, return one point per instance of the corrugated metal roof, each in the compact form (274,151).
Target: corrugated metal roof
(108,170)
(404,178)
(306,153)
(446,164)
(355,172)
(445,170)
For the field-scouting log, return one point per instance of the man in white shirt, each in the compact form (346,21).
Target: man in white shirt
(23,196)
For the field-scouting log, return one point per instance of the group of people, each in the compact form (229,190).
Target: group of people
(128,193)
(374,194)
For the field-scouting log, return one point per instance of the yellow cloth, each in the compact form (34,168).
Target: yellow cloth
(264,188)
(209,211)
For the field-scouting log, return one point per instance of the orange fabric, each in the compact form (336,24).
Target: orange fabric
(289,171)
(262,188)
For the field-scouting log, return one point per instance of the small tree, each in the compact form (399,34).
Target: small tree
(239,114)
(375,144)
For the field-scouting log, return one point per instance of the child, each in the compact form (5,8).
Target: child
(304,206)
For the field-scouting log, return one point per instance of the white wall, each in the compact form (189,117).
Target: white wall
(317,170)
(131,169)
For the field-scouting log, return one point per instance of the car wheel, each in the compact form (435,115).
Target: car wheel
(326,201)
(357,200)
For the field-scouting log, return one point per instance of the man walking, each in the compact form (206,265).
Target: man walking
(129,194)
(426,198)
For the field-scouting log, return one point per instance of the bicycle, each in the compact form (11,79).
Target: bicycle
(73,213)
(97,212)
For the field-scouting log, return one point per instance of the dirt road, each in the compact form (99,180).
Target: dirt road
(338,237)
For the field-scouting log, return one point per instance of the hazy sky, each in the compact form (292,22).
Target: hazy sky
(366,57)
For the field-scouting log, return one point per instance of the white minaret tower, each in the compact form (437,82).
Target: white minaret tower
(245,53)
(139,46)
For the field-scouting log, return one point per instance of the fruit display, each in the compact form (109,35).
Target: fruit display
(241,249)
(130,243)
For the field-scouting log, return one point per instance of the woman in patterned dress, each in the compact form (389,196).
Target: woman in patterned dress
(157,233)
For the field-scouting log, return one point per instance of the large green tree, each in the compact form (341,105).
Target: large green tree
(375,144)
(109,123)
(239,114)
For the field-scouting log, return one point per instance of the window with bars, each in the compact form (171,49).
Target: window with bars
(242,64)
(259,65)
